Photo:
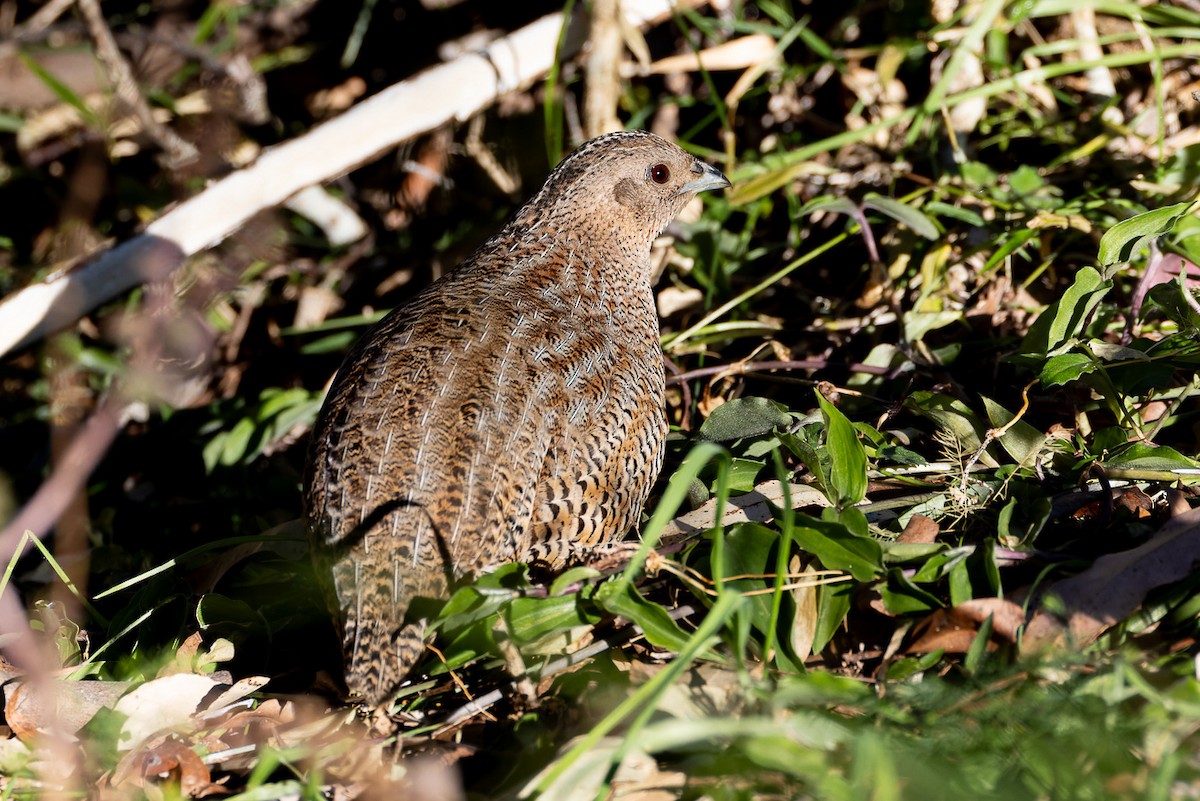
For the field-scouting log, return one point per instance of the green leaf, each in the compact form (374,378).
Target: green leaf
(743,474)
(1066,367)
(976,654)
(1141,456)
(744,417)
(848,458)
(833,604)
(571,576)
(1022,441)
(836,548)
(954,417)
(747,551)
(656,624)
(1025,180)
(801,444)
(223,612)
(1127,237)
(903,597)
(60,90)
(918,323)
(967,216)
(1064,318)
(531,618)
(834,205)
(1169,298)
(920,224)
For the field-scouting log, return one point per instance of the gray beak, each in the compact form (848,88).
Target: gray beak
(710,178)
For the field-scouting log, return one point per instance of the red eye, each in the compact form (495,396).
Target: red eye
(660,173)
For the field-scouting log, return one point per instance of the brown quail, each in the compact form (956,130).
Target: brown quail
(512,411)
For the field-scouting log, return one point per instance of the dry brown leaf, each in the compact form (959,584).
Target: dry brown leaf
(165,760)
(35,708)
(943,631)
(1116,584)
(1007,617)
(920,529)
(804,623)
(238,691)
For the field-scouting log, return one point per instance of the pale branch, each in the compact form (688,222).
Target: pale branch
(454,91)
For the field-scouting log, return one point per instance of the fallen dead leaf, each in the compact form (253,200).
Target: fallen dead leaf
(944,630)
(1116,584)
(1007,617)
(33,708)
(920,529)
(166,760)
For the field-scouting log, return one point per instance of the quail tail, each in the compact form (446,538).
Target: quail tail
(376,582)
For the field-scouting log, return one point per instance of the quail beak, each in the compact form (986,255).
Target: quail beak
(710,178)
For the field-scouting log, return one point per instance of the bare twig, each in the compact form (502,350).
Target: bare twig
(41,19)
(178,150)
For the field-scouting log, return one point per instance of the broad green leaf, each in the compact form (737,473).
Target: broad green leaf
(656,624)
(1030,515)
(940,209)
(909,666)
(918,323)
(1022,441)
(571,576)
(838,549)
(743,473)
(1064,319)
(817,461)
(1066,367)
(1025,180)
(940,565)
(531,618)
(954,417)
(1170,300)
(237,441)
(903,597)
(835,205)
(1123,240)
(483,598)
(748,551)
(1147,457)
(833,604)
(224,612)
(899,553)
(848,459)
(920,224)
(744,417)
(977,653)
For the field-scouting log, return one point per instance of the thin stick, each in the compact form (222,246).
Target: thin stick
(178,150)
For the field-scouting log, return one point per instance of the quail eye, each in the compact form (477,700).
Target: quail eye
(660,173)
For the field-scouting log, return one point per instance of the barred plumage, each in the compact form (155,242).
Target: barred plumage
(512,410)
